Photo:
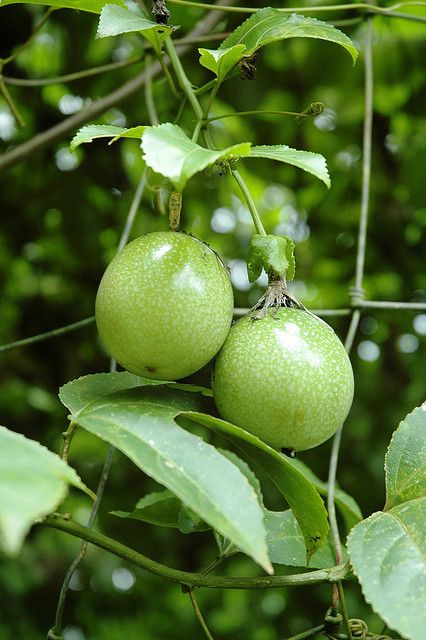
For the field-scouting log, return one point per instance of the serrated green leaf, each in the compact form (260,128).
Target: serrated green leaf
(92,6)
(388,552)
(299,493)
(33,483)
(405,466)
(92,131)
(77,394)
(115,20)
(286,544)
(141,424)
(274,254)
(310,162)
(347,505)
(270,25)
(168,151)
(221,61)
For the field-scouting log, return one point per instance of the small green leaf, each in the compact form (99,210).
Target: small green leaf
(93,6)
(299,493)
(274,254)
(270,25)
(92,131)
(286,544)
(141,423)
(163,509)
(221,61)
(388,555)
(77,394)
(168,151)
(313,163)
(33,483)
(115,20)
(405,460)
(347,505)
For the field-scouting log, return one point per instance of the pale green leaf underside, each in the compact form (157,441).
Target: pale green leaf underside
(405,465)
(77,394)
(286,544)
(388,554)
(93,6)
(299,493)
(33,483)
(141,424)
(348,507)
(313,163)
(169,152)
(92,131)
(221,61)
(269,25)
(115,20)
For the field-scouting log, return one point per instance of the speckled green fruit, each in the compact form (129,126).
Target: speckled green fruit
(164,305)
(285,377)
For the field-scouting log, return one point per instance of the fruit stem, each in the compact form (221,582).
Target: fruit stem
(250,202)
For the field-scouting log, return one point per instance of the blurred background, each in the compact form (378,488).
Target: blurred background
(62,214)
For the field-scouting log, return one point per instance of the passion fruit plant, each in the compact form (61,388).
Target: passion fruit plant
(282,379)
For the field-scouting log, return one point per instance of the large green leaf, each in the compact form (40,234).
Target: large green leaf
(92,131)
(405,463)
(286,544)
(388,552)
(141,423)
(93,6)
(33,483)
(270,25)
(347,505)
(221,61)
(299,493)
(77,394)
(115,20)
(313,163)
(388,549)
(168,151)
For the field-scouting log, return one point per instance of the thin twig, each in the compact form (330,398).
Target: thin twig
(149,97)
(366,154)
(308,633)
(344,610)
(49,334)
(199,615)
(10,102)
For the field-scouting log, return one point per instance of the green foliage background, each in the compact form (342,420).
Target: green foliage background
(61,218)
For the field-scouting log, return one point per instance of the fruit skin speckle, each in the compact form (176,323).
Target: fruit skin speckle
(164,305)
(285,377)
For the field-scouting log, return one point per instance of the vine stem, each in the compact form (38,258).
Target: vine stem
(332,574)
(309,633)
(137,198)
(356,6)
(255,113)
(359,275)
(186,87)
(10,103)
(344,610)
(199,614)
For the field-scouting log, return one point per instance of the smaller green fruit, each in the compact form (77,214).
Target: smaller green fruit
(284,377)
(164,305)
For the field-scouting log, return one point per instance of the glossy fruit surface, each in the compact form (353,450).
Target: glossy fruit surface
(285,377)
(164,305)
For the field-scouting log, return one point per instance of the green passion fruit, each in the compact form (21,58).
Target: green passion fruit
(164,305)
(285,377)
